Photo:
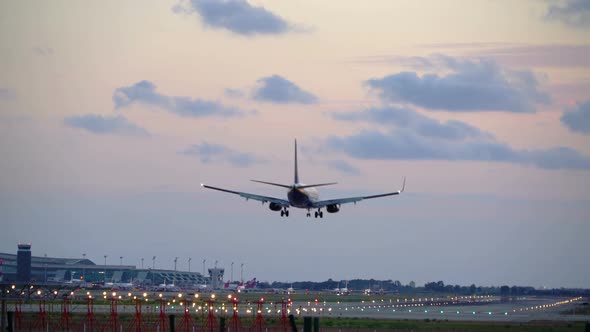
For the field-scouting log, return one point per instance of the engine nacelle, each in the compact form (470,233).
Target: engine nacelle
(274,206)
(333,208)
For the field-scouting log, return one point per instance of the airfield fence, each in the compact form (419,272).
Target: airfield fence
(44,315)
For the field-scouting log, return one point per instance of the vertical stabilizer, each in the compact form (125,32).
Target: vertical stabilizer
(296,177)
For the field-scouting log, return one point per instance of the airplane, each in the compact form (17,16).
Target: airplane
(249,285)
(241,286)
(303,196)
(233,286)
(118,285)
(168,287)
(344,290)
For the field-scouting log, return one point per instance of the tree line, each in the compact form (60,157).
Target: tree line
(395,286)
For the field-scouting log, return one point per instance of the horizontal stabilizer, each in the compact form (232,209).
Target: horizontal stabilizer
(316,185)
(274,184)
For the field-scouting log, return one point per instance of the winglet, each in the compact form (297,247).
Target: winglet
(403,186)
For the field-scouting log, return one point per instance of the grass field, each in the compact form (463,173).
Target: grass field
(344,324)
(578,310)
(370,325)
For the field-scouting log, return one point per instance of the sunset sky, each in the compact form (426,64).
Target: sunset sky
(113,112)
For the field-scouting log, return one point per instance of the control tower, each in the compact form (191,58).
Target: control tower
(216,277)
(23,262)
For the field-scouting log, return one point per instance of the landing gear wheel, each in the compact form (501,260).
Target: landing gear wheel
(308,214)
(321,214)
(284,212)
(316,214)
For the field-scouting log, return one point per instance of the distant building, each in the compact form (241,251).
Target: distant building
(23,262)
(1,270)
(23,267)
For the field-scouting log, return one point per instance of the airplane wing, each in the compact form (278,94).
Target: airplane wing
(321,204)
(263,199)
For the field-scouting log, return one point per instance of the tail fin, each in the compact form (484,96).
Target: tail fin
(251,284)
(296,177)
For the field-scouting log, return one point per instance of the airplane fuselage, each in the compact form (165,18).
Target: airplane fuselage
(302,197)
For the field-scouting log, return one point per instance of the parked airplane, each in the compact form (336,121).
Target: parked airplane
(241,286)
(303,196)
(167,287)
(341,291)
(118,285)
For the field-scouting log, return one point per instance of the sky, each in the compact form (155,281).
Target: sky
(113,113)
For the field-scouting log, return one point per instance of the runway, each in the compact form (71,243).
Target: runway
(460,308)
(523,309)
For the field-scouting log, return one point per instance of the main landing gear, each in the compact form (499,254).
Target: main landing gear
(284,212)
(318,213)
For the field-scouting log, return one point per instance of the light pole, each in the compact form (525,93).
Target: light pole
(105,268)
(204,260)
(175,260)
(142,262)
(242,272)
(231,279)
(189,264)
(45,265)
(120,260)
(154,263)
(84,268)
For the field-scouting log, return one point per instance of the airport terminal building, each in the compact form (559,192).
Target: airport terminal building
(24,267)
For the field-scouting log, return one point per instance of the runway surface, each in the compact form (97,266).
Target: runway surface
(521,310)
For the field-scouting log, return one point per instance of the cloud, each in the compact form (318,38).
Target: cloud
(422,125)
(217,153)
(7,94)
(407,145)
(144,92)
(277,89)
(237,16)
(578,118)
(572,13)
(233,93)
(471,85)
(510,54)
(343,167)
(99,124)
(409,135)
(43,50)
(554,55)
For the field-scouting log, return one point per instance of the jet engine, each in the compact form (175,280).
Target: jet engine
(275,207)
(333,208)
